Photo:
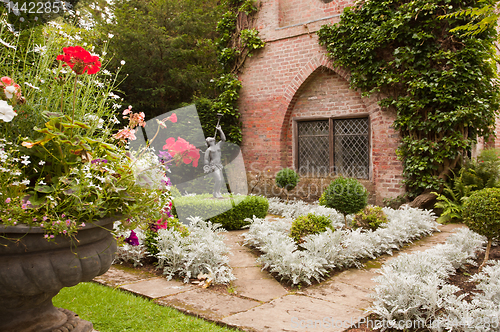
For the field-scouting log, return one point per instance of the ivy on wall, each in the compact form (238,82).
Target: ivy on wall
(238,40)
(440,83)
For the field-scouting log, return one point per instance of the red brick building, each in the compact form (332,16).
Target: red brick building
(298,110)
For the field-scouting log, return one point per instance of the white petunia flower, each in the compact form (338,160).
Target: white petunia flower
(6,111)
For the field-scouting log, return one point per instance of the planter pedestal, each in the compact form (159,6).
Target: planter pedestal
(33,271)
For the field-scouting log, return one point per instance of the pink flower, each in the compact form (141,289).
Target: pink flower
(128,110)
(125,134)
(173,118)
(8,200)
(6,81)
(83,224)
(182,150)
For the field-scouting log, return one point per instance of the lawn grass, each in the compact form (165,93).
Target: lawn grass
(113,310)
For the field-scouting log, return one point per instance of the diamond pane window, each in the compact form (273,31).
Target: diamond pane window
(340,146)
(313,152)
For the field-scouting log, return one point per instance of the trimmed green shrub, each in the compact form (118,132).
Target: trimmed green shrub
(174,192)
(482,215)
(346,195)
(287,179)
(370,218)
(310,224)
(230,212)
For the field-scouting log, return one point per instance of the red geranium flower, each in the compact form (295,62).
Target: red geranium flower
(182,150)
(80,60)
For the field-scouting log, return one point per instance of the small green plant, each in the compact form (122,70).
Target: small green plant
(287,179)
(346,195)
(482,215)
(452,199)
(474,175)
(372,217)
(310,224)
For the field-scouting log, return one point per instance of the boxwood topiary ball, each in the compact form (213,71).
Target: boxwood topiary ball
(482,212)
(346,195)
(287,178)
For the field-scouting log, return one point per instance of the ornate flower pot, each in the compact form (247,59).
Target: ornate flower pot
(33,271)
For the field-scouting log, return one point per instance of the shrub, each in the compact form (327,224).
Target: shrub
(370,218)
(287,179)
(482,215)
(230,213)
(346,195)
(310,224)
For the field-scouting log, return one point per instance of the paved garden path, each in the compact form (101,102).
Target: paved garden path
(257,302)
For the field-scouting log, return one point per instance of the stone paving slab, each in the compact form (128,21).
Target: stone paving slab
(208,304)
(256,284)
(117,276)
(357,277)
(297,313)
(157,287)
(339,292)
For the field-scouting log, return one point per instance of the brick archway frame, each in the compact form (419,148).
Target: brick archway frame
(292,91)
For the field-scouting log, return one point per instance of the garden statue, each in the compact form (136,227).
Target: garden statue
(213,163)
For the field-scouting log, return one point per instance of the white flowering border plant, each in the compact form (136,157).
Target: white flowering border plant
(323,252)
(413,289)
(198,250)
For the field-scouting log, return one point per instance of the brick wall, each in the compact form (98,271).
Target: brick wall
(292,77)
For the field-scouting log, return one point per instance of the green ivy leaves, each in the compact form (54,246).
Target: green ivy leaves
(438,82)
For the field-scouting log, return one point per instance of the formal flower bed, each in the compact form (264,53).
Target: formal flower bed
(323,252)
(414,289)
(192,252)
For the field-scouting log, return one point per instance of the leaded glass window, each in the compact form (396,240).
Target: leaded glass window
(338,146)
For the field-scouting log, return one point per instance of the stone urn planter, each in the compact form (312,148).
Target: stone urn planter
(33,271)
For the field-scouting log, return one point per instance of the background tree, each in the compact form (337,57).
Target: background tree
(168,48)
(439,83)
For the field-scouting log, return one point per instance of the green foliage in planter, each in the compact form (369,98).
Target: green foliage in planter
(346,195)
(370,218)
(310,224)
(230,212)
(437,82)
(287,178)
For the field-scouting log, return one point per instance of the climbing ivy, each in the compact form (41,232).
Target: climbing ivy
(238,39)
(439,83)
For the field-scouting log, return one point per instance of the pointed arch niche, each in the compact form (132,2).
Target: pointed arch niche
(325,98)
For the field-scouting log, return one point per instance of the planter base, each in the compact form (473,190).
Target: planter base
(47,318)
(73,323)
